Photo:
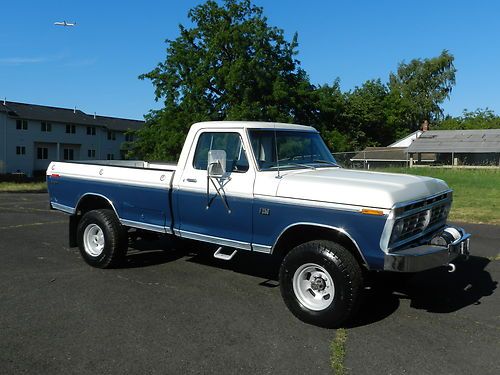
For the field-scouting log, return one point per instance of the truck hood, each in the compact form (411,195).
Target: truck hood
(359,188)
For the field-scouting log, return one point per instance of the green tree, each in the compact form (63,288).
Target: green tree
(366,114)
(419,88)
(231,65)
(355,119)
(478,119)
(329,119)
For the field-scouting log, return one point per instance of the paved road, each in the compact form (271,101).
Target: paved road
(183,312)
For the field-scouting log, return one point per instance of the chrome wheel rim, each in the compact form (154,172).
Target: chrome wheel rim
(93,240)
(313,286)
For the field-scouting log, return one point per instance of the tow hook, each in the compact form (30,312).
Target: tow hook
(452,267)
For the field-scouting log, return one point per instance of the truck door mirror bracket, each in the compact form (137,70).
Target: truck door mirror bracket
(217,176)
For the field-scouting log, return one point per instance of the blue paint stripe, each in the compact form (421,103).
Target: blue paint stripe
(366,230)
(245,223)
(135,203)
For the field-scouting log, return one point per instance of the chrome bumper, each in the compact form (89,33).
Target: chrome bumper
(424,257)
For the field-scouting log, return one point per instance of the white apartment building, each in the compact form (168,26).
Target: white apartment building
(31,136)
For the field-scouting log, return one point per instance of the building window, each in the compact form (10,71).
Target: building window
(71,129)
(22,124)
(42,153)
(111,157)
(91,154)
(90,130)
(46,127)
(111,135)
(20,150)
(69,154)
(129,137)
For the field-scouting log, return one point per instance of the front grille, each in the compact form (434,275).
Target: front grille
(431,214)
(424,202)
(439,214)
(413,224)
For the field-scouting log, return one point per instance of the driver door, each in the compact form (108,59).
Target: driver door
(203,214)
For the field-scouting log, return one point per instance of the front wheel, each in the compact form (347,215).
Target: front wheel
(321,283)
(101,238)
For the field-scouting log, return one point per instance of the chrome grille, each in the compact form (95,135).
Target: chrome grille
(439,213)
(419,218)
(413,224)
(424,202)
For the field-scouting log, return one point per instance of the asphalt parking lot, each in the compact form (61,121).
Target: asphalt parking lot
(183,312)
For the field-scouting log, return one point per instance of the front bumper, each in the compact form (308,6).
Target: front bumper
(424,257)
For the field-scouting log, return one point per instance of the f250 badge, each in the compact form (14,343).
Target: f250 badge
(264,211)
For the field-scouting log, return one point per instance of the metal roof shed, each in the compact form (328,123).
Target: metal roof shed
(457,141)
(467,145)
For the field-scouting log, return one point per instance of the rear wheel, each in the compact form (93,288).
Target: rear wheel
(321,283)
(101,238)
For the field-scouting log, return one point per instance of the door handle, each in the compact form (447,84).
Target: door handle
(191,180)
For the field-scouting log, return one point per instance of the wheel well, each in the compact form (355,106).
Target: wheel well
(87,203)
(92,202)
(300,234)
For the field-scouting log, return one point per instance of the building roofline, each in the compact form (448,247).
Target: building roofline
(116,118)
(416,132)
(35,112)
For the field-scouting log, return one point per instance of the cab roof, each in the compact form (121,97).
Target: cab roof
(250,125)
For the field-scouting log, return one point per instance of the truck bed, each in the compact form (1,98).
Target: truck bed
(163,165)
(138,191)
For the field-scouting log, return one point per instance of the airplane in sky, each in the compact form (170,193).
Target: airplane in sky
(64,23)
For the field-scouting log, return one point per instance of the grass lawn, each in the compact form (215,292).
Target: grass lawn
(337,352)
(12,187)
(476,192)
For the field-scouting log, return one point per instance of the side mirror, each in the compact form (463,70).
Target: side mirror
(216,163)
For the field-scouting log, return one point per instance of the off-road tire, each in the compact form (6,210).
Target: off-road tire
(344,272)
(110,250)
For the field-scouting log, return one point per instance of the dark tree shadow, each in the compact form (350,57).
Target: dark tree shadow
(435,291)
(377,304)
(145,252)
(245,262)
(439,291)
(157,250)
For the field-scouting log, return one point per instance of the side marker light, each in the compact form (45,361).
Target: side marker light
(368,211)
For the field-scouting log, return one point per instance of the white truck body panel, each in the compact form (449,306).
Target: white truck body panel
(360,188)
(155,178)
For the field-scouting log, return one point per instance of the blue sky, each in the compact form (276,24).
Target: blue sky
(94,66)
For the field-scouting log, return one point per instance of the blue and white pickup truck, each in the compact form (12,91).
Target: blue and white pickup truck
(269,188)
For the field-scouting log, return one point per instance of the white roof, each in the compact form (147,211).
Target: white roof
(406,141)
(250,125)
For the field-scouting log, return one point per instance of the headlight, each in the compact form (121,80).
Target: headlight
(397,229)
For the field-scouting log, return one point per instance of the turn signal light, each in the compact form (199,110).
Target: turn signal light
(368,211)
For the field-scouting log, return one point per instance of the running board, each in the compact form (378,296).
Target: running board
(219,254)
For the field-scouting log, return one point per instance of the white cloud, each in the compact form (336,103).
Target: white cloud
(62,58)
(31,60)
(22,60)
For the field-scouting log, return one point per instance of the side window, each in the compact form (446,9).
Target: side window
(230,142)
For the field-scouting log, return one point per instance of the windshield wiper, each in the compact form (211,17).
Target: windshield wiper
(326,162)
(285,166)
(301,165)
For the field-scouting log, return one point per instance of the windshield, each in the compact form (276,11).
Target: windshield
(295,149)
